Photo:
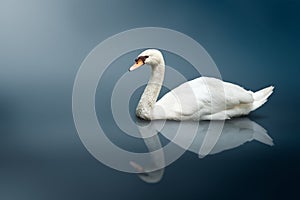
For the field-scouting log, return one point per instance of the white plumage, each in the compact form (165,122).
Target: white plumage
(203,98)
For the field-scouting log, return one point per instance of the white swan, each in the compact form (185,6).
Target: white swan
(203,98)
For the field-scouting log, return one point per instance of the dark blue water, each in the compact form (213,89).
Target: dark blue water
(42,45)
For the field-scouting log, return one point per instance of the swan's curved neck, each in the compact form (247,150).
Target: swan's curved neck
(151,91)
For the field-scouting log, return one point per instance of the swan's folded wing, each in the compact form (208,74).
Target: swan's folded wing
(205,95)
(180,101)
(236,95)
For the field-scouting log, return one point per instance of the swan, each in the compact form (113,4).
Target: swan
(203,98)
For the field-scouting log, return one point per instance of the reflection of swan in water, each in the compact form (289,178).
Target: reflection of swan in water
(235,133)
(152,143)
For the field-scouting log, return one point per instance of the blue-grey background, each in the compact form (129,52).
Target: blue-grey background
(42,44)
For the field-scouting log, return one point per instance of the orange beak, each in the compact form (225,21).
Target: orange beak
(138,63)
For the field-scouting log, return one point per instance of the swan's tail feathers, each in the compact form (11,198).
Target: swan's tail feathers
(261,97)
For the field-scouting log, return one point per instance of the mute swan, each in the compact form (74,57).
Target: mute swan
(203,98)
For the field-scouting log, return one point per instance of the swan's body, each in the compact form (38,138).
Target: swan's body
(203,98)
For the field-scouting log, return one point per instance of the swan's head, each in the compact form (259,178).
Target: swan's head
(151,57)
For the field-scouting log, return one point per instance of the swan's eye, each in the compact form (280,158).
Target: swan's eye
(142,58)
